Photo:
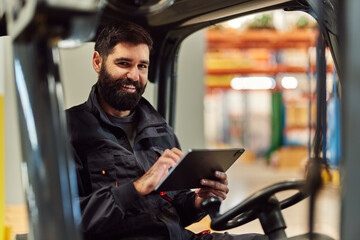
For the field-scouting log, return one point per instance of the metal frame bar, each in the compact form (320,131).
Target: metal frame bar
(49,173)
(350,119)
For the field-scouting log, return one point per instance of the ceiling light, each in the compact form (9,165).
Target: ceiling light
(289,82)
(235,23)
(238,22)
(253,83)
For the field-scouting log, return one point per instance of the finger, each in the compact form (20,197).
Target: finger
(222,176)
(170,154)
(171,162)
(215,185)
(219,194)
(208,192)
(177,152)
(208,195)
(165,163)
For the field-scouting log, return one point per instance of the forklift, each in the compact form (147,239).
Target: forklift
(40,27)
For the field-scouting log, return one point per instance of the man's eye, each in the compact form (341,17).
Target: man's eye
(123,63)
(143,66)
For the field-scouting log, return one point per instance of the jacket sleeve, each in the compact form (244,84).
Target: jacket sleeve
(103,211)
(184,202)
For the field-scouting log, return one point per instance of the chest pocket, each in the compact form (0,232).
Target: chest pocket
(127,167)
(156,152)
(102,170)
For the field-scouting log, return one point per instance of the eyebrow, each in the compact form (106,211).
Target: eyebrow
(130,60)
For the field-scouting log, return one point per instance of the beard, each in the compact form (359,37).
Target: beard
(112,91)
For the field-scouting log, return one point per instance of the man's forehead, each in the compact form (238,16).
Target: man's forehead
(131,46)
(124,50)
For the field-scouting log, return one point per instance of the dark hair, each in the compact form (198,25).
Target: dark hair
(111,34)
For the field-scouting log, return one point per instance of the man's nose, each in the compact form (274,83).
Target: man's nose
(133,74)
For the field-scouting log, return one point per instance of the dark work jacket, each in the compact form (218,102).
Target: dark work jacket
(106,167)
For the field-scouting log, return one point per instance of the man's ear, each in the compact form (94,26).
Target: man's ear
(97,61)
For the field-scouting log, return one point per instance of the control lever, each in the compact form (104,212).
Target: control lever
(212,206)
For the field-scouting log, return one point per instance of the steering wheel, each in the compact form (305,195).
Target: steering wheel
(262,204)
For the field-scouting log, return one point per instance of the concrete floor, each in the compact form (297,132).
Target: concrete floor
(246,178)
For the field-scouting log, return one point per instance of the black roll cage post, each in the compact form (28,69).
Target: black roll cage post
(349,35)
(48,169)
(313,179)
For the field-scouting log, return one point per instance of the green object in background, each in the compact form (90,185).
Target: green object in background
(265,21)
(277,122)
(302,22)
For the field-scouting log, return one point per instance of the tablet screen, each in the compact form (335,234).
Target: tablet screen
(197,164)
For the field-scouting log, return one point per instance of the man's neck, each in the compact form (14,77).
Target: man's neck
(110,110)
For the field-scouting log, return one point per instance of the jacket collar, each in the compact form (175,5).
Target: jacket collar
(146,114)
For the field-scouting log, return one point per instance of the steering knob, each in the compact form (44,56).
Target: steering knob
(212,206)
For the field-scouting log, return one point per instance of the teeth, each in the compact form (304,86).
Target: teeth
(129,86)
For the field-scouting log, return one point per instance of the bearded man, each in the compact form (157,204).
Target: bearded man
(123,149)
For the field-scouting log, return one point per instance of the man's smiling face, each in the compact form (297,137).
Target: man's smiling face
(123,75)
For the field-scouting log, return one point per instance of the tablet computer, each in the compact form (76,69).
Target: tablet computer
(197,164)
